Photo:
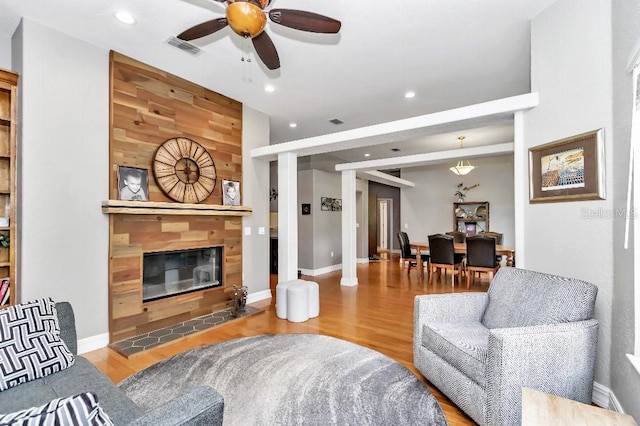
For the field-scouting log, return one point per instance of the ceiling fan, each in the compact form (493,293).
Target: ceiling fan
(247,18)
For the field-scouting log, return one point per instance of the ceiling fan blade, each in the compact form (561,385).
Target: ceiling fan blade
(266,51)
(305,21)
(203,29)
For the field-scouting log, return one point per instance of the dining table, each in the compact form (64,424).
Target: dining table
(421,247)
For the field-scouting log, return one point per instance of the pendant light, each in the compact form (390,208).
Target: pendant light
(461,168)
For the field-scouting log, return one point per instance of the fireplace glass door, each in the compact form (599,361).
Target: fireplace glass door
(176,272)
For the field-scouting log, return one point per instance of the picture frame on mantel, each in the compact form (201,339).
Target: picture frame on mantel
(230,193)
(133,184)
(569,169)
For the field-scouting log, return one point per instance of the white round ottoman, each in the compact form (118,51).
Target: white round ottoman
(314,298)
(281,299)
(298,302)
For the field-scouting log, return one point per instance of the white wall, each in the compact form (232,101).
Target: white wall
(571,70)
(625,380)
(64,101)
(427,208)
(64,151)
(5,54)
(327,225)
(362,219)
(306,241)
(319,233)
(255,194)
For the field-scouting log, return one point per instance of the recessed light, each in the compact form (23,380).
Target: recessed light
(410,95)
(269,88)
(367,155)
(125,17)
(293,125)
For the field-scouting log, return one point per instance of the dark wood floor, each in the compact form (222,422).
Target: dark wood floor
(378,313)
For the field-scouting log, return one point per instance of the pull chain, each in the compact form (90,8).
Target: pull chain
(246,50)
(246,57)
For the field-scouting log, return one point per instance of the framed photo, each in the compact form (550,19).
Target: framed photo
(331,204)
(569,169)
(230,193)
(133,184)
(326,203)
(306,209)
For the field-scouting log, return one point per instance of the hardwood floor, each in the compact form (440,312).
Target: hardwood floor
(378,313)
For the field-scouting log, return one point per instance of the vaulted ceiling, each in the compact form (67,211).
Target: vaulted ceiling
(451,53)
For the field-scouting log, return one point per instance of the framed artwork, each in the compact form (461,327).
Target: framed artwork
(325,203)
(133,184)
(330,204)
(306,209)
(230,193)
(569,169)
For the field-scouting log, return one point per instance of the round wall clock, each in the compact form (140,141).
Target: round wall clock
(184,170)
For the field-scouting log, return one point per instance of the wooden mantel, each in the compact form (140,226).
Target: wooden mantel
(157,207)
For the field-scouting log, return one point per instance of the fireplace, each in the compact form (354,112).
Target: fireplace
(170,273)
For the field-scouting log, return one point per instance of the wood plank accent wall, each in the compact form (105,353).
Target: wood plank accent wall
(134,235)
(147,107)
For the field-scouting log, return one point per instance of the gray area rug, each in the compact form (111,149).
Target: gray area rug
(293,379)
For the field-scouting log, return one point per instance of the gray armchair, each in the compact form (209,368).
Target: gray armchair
(530,329)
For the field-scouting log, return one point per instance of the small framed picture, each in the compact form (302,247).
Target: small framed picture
(133,184)
(326,203)
(230,193)
(306,209)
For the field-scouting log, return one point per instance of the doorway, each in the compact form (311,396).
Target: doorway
(385,227)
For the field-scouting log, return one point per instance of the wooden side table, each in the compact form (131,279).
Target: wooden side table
(539,408)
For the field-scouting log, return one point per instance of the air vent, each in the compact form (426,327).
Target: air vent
(184,45)
(336,121)
(395,149)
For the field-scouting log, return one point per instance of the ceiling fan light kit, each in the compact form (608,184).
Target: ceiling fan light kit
(461,168)
(247,18)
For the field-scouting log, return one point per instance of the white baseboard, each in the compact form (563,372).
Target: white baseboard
(325,270)
(603,397)
(92,343)
(362,260)
(258,296)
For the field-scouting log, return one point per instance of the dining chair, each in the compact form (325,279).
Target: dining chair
(443,256)
(498,237)
(407,257)
(458,237)
(481,256)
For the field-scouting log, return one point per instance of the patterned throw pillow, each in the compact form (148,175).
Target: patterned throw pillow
(30,344)
(80,410)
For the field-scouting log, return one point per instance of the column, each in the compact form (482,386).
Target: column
(287,217)
(349,231)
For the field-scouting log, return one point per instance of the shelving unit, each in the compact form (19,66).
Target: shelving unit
(471,216)
(8,128)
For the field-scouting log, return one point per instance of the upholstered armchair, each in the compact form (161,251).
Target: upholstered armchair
(530,329)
